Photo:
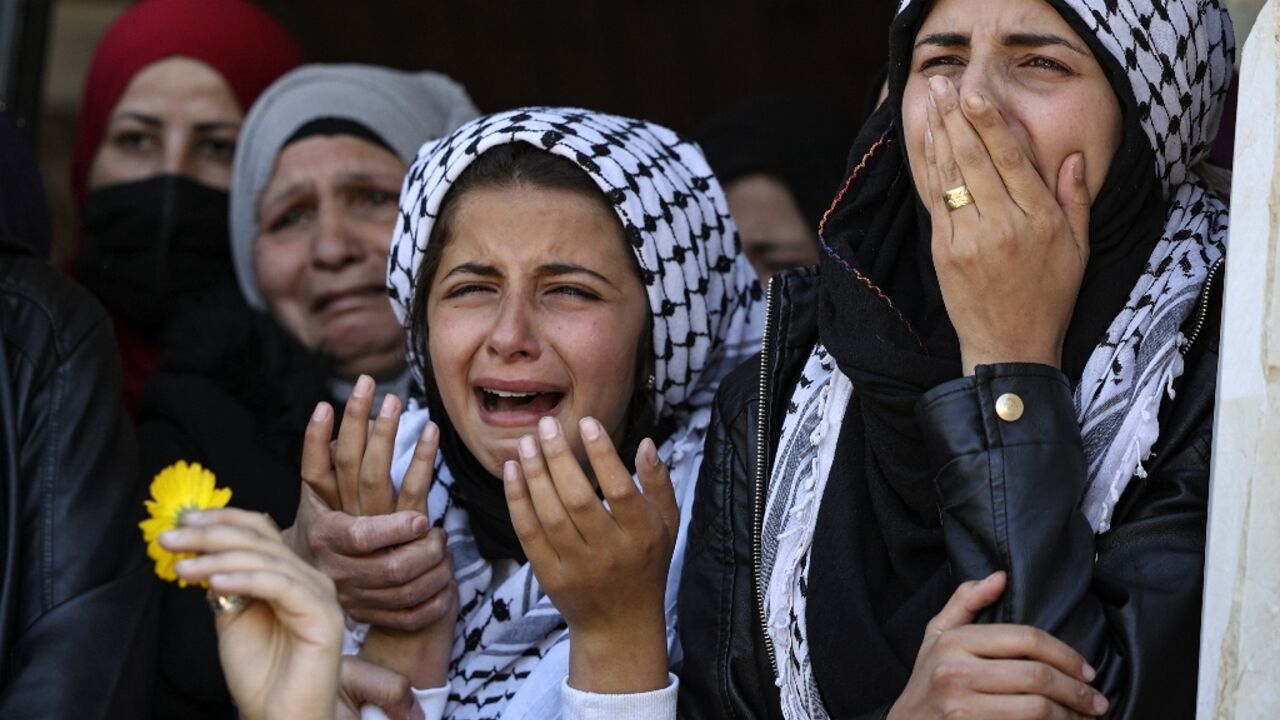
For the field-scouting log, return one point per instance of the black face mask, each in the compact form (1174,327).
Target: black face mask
(150,245)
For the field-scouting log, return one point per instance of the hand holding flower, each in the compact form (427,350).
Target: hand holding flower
(280,653)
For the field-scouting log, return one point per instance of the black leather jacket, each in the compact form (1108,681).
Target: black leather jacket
(77,609)
(1128,599)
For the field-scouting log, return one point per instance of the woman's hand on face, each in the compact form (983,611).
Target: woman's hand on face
(994,671)
(1011,263)
(604,568)
(280,653)
(390,569)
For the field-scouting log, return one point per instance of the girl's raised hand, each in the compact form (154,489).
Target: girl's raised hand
(605,568)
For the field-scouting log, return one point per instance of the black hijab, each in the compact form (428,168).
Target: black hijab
(878,550)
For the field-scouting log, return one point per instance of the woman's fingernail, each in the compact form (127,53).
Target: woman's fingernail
(322,412)
(1100,704)
(975,102)
(389,404)
(509,471)
(590,429)
(650,452)
(170,537)
(363,387)
(194,517)
(548,428)
(1079,167)
(1088,673)
(938,85)
(183,566)
(430,432)
(528,447)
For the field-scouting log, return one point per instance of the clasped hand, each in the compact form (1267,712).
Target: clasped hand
(351,480)
(390,567)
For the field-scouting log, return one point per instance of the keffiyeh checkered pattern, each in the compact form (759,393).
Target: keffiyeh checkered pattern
(511,651)
(672,211)
(1178,56)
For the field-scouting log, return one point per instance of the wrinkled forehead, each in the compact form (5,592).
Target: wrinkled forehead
(992,18)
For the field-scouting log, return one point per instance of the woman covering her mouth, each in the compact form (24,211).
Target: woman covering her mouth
(572,293)
(979,490)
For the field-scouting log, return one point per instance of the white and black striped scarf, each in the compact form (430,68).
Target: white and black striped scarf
(511,651)
(1178,56)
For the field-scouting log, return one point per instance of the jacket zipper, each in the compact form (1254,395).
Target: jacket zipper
(1202,312)
(762,461)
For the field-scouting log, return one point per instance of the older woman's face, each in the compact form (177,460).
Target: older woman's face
(177,116)
(326,219)
(1025,59)
(536,310)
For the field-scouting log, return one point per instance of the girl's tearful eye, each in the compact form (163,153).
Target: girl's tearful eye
(574,291)
(465,290)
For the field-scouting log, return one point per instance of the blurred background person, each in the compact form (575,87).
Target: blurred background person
(781,159)
(313,206)
(77,605)
(166,93)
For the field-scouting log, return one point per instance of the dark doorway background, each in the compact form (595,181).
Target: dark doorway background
(669,61)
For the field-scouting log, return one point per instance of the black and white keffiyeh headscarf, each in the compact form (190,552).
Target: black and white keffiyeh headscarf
(511,655)
(1177,57)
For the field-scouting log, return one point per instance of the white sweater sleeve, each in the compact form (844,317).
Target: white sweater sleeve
(654,705)
(431,701)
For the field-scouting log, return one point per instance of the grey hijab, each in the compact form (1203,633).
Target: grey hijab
(403,109)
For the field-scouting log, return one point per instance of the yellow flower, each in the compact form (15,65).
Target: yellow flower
(175,490)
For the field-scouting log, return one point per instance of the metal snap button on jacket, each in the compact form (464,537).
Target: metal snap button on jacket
(1009,407)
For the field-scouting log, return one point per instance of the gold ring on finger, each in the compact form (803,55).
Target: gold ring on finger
(221,604)
(958,197)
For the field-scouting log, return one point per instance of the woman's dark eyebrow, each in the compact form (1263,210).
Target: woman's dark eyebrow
(473,268)
(554,269)
(1031,40)
(1038,40)
(945,39)
(149,120)
(216,125)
